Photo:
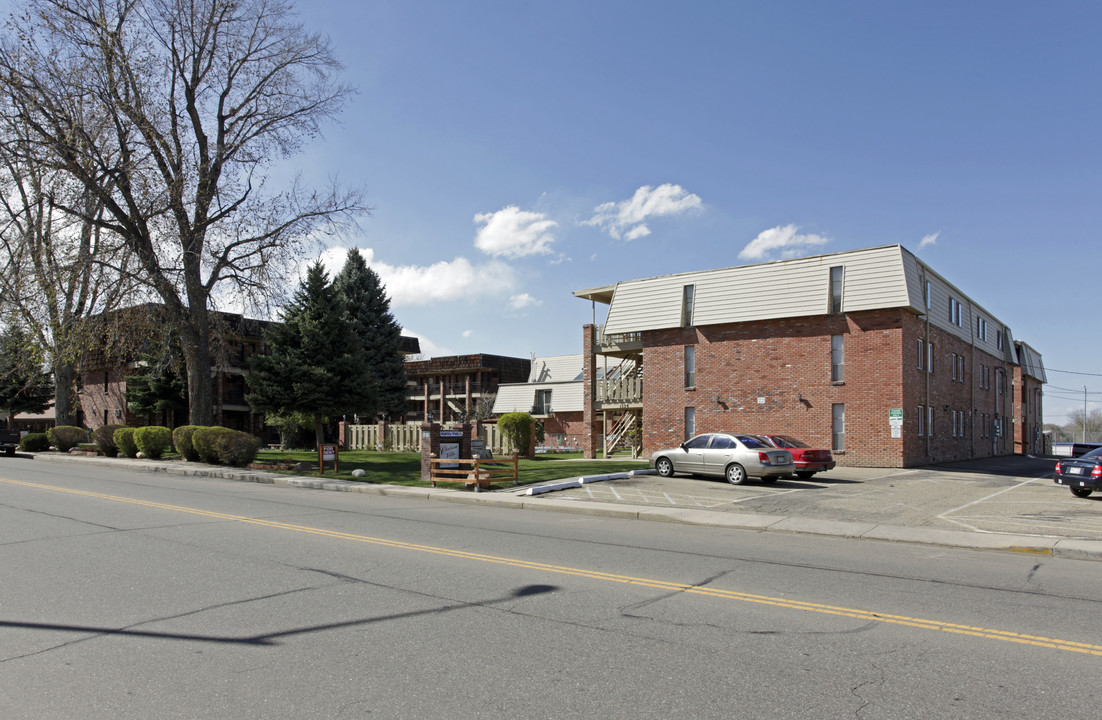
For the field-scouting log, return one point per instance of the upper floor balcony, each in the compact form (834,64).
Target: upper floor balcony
(617,344)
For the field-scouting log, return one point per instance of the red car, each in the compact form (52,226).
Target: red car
(807,460)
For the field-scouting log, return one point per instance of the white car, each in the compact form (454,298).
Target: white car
(731,456)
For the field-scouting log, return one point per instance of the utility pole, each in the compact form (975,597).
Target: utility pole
(1084,413)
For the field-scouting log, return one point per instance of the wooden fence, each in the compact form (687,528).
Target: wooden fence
(479,473)
(399,438)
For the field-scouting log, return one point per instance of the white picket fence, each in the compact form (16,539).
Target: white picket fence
(407,438)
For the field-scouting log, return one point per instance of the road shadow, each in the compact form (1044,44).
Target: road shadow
(1025,466)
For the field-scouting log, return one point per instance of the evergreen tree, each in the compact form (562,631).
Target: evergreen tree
(316,363)
(372,321)
(161,384)
(24,386)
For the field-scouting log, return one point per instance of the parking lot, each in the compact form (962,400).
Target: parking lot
(1001,495)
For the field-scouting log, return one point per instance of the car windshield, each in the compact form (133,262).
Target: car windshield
(787,441)
(1093,454)
(751,442)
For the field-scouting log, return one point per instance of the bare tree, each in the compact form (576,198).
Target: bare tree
(201,97)
(1085,425)
(57,269)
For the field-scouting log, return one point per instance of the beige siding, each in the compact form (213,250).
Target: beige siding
(873,279)
(516,397)
(557,368)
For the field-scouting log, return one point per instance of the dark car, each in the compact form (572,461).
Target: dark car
(1082,475)
(808,460)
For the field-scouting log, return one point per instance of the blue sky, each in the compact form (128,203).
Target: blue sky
(514,152)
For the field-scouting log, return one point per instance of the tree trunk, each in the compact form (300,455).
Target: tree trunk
(63,394)
(319,431)
(195,342)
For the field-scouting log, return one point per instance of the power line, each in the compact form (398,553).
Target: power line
(1073,372)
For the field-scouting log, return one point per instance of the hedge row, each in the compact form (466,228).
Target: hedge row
(216,445)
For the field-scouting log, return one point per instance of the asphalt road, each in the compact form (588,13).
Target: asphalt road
(136,595)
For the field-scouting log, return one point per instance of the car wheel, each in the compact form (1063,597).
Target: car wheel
(1081,492)
(769,480)
(664,467)
(735,474)
(805,475)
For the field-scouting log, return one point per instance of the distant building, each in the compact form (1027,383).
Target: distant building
(451,388)
(869,352)
(132,331)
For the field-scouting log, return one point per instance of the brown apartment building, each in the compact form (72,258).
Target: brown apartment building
(868,352)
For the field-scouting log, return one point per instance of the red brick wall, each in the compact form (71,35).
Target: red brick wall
(569,424)
(775,376)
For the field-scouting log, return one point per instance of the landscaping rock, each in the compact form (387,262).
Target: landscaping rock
(358,472)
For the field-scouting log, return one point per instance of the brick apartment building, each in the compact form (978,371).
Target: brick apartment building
(132,331)
(553,395)
(868,352)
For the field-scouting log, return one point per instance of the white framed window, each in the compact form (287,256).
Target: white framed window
(837,358)
(836,282)
(954,312)
(690,366)
(688,296)
(929,295)
(921,355)
(981,328)
(690,422)
(838,427)
(930,358)
(999,339)
(930,421)
(921,424)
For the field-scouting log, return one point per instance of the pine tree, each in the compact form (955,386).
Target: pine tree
(373,323)
(317,364)
(24,386)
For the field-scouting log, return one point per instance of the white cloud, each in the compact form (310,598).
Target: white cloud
(781,238)
(930,239)
(524,300)
(626,220)
(468,333)
(411,285)
(513,233)
(429,349)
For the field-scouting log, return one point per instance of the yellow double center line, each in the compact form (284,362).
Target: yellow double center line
(867,615)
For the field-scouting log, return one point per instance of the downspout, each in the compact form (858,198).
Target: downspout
(928,301)
(972,391)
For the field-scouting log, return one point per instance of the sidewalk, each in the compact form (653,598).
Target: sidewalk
(1008,504)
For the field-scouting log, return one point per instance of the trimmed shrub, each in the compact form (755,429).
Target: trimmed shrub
(153,440)
(516,429)
(124,441)
(203,442)
(181,440)
(237,448)
(66,437)
(219,445)
(104,437)
(35,442)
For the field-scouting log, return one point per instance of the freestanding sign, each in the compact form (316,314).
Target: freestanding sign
(327,452)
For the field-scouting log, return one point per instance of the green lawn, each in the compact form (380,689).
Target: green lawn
(405,468)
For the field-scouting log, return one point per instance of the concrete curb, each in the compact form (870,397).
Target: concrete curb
(528,499)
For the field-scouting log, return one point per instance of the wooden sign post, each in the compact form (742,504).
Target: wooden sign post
(328,452)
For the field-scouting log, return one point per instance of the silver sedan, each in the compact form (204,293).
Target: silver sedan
(731,456)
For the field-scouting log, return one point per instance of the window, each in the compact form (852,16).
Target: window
(688,294)
(985,377)
(697,443)
(838,429)
(543,403)
(958,367)
(930,358)
(836,289)
(837,358)
(690,422)
(930,421)
(999,339)
(925,356)
(981,328)
(929,295)
(690,366)
(921,425)
(921,355)
(954,312)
